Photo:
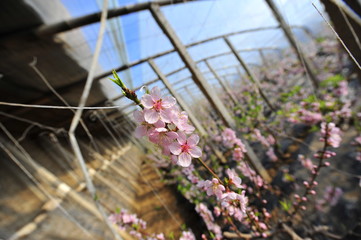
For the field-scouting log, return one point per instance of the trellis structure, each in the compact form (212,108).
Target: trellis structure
(116,131)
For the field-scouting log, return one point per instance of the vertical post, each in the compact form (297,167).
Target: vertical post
(287,31)
(250,74)
(198,78)
(225,88)
(180,100)
(263,57)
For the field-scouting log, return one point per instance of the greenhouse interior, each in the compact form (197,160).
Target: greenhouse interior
(180,119)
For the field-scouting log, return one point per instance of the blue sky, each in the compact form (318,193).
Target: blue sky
(193,21)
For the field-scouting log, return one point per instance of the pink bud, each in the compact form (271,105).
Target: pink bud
(327,164)
(297,196)
(313,192)
(315,183)
(303,208)
(304,199)
(306,183)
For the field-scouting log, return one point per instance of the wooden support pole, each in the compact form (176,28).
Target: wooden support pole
(180,100)
(250,74)
(198,78)
(289,35)
(263,58)
(95,17)
(223,85)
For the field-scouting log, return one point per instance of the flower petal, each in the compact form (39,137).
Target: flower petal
(140,131)
(155,93)
(172,135)
(184,160)
(159,124)
(195,152)
(175,148)
(182,138)
(151,116)
(147,101)
(138,116)
(168,102)
(193,140)
(166,115)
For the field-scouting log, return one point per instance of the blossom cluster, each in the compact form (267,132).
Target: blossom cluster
(357,142)
(230,140)
(331,134)
(168,127)
(331,197)
(187,235)
(268,142)
(135,226)
(208,219)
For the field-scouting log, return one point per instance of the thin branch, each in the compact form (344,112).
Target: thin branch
(76,120)
(55,107)
(338,37)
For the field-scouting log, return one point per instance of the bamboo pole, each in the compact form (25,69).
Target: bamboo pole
(198,78)
(67,25)
(289,35)
(250,74)
(180,100)
(225,88)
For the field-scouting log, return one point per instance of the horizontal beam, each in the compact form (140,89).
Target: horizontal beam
(82,79)
(175,83)
(198,61)
(131,104)
(95,17)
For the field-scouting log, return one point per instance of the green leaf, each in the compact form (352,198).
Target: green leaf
(285,205)
(96,198)
(117,210)
(171,235)
(184,227)
(288,177)
(314,128)
(332,81)
(320,39)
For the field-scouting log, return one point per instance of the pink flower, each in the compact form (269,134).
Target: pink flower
(180,120)
(238,154)
(262,139)
(209,220)
(235,204)
(157,107)
(358,140)
(214,188)
(271,154)
(144,127)
(217,211)
(186,148)
(342,89)
(228,137)
(233,178)
(163,138)
(332,133)
(306,162)
(187,235)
